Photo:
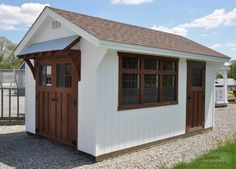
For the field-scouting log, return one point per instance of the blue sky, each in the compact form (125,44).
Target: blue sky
(209,22)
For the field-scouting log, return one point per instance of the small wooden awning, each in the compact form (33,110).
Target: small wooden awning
(51,45)
(60,46)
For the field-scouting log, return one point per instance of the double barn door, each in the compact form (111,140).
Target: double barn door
(56,97)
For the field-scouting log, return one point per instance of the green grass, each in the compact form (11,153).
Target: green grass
(231,102)
(223,157)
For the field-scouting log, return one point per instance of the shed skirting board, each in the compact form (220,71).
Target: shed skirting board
(148,145)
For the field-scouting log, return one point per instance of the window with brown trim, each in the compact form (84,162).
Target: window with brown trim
(146,81)
(45,71)
(64,76)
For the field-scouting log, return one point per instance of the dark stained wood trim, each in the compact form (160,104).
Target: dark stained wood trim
(142,81)
(32,68)
(130,71)
(177,79)
(119,82)
(124,54)
(73,55)
(146,105)
(42,54)
(75,58)
(72,44)
(141,72)
(161,80)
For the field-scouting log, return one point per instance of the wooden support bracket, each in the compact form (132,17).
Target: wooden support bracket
(72,44)
(75,56)
(32,68)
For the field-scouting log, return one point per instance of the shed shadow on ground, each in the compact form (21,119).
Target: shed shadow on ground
(21,150)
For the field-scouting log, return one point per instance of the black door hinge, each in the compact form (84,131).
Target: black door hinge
(74,143)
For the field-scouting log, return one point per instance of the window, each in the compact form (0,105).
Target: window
(45,72)
(130,81)
(169,88)
(197,77)
(56,25)
(147,81)
(130,94)
(64,75)
(151,88)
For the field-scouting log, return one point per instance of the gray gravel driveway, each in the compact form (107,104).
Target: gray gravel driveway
(19,150)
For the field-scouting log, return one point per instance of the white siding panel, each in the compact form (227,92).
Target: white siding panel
(118,130)
(211,69)
(90,59)
(30,113)
(46,33)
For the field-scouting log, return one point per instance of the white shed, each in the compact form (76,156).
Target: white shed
(104,87)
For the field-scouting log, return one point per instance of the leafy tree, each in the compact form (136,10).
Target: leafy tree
(232,71)
(7,58)
(6,64)
(219,76)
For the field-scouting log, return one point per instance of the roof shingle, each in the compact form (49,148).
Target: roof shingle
(123,33)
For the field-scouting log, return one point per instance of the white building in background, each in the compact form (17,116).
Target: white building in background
(221,87)
(231,83)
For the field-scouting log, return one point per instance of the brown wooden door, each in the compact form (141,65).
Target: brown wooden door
(195,95)
(56,95)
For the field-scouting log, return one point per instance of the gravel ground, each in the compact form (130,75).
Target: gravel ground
(19,150)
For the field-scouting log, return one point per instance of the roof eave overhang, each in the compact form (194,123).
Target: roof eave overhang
(110,44)
(158,51)
(48,12)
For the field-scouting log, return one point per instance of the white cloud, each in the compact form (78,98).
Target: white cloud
(175,30)
(229,46)
(130,2)
(218,18)
(206,34)
(210,21)
(18,17)
(215,46)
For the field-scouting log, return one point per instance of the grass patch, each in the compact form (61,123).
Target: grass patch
(223,157)
(232,102)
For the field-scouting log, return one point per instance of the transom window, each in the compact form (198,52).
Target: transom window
(147,81)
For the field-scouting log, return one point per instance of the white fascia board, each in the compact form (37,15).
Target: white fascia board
(31,32)
(157,51)
(48,12)
(73,27)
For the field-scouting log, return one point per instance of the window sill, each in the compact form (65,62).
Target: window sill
(146,105)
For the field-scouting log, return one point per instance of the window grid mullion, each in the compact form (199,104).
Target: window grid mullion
(160,73)
(142,80)
(161,81)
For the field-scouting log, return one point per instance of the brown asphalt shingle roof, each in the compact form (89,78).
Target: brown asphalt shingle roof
(123,33)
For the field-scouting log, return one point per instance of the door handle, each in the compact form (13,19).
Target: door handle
(55,99)
(189,97)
